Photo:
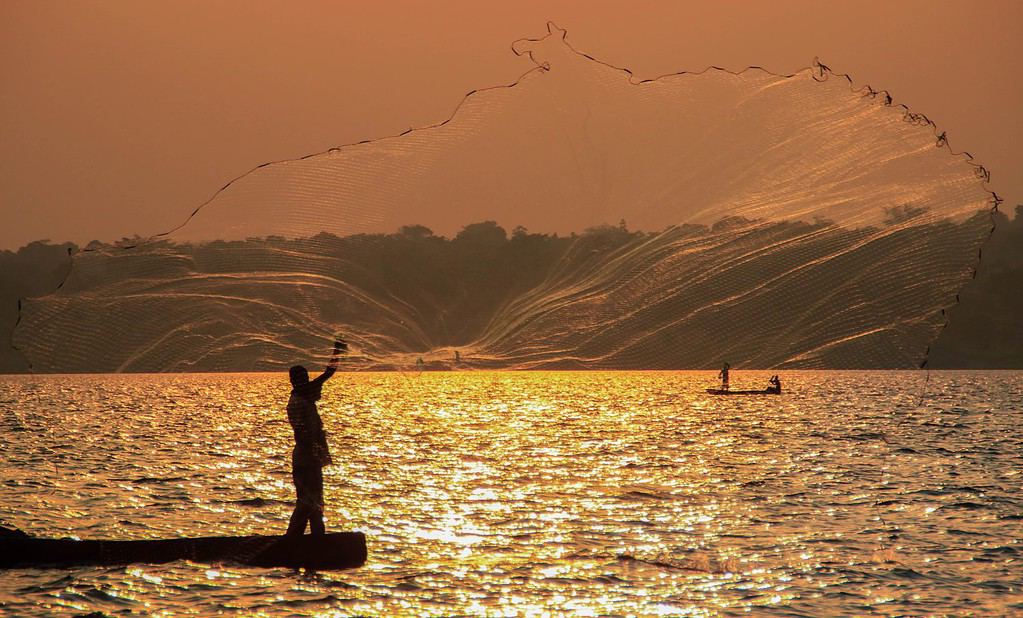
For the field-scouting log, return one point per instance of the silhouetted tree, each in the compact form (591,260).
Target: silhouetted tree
(415,231)
(484,233)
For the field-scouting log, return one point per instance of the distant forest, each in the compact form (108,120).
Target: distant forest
(985,330)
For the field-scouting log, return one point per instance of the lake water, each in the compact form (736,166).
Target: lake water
(589,493)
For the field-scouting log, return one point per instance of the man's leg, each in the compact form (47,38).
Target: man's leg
(301,514)
(296,525)
(316,525)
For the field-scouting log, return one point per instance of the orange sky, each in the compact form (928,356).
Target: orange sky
(119,117)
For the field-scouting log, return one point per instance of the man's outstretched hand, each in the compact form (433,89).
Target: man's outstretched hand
(340,347)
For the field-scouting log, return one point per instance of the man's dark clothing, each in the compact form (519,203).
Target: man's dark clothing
(310,455)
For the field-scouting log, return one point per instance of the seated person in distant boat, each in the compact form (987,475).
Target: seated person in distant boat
(311,453)
(775,386)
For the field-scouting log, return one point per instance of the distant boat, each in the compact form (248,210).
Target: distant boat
(765,391)
(338,550)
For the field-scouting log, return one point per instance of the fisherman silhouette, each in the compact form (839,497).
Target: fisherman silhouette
(311,453)
(775,386)
(723,374)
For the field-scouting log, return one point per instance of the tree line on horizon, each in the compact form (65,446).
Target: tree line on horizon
(984,329)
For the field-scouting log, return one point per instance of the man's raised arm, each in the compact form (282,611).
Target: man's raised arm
(340,347)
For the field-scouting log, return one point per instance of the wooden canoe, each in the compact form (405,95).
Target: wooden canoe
(337,550)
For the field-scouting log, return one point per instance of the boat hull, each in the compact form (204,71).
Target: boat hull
(337,550)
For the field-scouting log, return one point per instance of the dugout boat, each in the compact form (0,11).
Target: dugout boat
(338,550)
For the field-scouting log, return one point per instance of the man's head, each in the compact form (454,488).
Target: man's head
(299,376)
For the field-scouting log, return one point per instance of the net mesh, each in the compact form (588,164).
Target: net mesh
(767,220)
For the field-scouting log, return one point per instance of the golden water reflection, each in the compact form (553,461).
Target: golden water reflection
(607,493)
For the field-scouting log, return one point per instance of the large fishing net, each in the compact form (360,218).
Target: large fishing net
(577,218)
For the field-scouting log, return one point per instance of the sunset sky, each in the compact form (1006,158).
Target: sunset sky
(119,117)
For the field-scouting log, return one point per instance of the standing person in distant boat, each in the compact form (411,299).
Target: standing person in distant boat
(723,374)
(311,453)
